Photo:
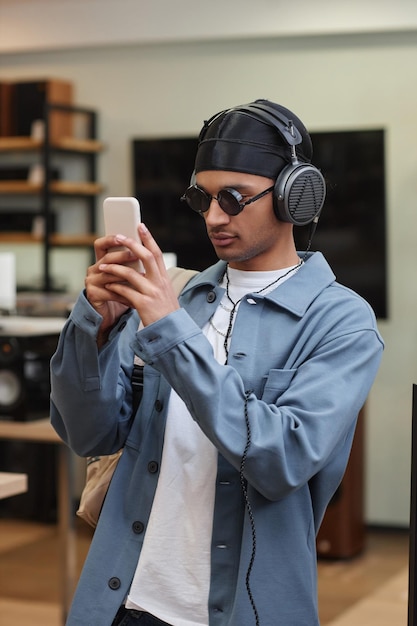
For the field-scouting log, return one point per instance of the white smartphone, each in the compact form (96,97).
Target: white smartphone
(122,216)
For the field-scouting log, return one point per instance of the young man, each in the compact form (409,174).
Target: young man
(253,381)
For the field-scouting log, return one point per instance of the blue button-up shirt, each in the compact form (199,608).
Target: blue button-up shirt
(301,363)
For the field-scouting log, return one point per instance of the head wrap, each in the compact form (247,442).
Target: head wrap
(244,140)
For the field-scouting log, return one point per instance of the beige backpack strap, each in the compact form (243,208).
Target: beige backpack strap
(180,277)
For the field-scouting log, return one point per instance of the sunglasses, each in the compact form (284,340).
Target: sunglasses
(229,200)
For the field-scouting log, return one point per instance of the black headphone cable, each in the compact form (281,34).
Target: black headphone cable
(248,509)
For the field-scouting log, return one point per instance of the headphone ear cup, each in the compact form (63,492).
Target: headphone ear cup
(299,194)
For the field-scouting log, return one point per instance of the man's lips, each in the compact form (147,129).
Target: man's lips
(221,239)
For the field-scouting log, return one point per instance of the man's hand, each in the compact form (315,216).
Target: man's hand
(113,286)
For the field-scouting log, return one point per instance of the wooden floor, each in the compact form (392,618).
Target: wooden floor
(342,584)
(29,575)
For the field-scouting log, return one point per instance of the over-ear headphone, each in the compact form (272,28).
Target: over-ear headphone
(300,188)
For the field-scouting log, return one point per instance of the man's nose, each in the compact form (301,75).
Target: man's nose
(215,214)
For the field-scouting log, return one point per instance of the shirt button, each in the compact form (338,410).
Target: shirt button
(114,583)
(153,467)
(211,296)
(137,527)
(158,406)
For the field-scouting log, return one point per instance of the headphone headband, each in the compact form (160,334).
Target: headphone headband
(262,113)
(283,124)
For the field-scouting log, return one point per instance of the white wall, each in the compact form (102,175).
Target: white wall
(332,82)
(49,24)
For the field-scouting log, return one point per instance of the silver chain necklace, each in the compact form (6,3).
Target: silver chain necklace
(219,332)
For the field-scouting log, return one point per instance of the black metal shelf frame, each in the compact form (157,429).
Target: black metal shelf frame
(91,161)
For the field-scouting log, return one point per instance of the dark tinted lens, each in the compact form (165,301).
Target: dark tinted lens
(197,199)
(229,200)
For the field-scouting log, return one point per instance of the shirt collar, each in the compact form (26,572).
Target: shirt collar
(295,294)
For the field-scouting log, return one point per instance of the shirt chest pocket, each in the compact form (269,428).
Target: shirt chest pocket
(276,383)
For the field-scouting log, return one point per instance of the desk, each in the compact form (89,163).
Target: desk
(41,431)
(12,484)
(21,326)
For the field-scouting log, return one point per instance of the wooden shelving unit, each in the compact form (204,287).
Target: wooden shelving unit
(11,144)
(47,190)
(58,187)
(56,239)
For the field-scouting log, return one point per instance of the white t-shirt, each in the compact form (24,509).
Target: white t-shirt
(172,578)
